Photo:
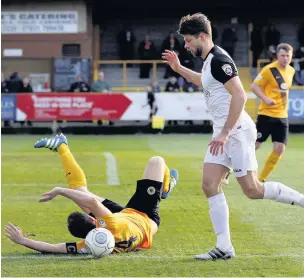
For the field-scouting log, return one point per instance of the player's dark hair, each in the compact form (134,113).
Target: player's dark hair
(80,224)
(285,46)
(194,25)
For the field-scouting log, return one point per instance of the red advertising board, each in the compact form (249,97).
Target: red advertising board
(71,106)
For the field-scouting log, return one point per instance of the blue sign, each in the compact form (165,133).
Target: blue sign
(296,105)
(8,107)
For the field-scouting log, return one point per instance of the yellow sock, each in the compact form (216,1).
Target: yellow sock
(166,180)
(72,170)
(271,162)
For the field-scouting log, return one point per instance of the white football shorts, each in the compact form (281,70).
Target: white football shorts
(239,153)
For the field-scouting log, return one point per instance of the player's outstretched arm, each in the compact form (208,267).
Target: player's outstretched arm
(170,58)
(82,199)
(15,234)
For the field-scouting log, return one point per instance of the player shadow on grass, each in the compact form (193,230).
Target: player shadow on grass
(49,255)
(61,256)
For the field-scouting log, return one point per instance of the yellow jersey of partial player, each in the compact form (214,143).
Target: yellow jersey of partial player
(130,228)
(276,83)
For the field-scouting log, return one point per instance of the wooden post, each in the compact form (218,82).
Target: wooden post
(154,71)
(124,71)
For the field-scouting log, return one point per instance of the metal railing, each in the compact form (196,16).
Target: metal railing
(124,64)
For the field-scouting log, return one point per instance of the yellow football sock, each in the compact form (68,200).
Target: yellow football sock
(72,170)
(271,162)
(166,180)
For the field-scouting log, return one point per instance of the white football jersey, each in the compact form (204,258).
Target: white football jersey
(218,68)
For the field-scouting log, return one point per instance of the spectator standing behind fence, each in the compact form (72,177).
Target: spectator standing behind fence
(257,44)
(147,51)
(272,38)
(26,87)
(80,86)
(101,85)
(229,39)
(171,42)
(214,32)
(15,83)
(126,43)
(186,59)
(301,34)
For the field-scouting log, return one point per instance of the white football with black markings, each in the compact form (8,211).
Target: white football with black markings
(100,242)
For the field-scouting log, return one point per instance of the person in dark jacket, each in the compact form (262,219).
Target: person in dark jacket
(26,86)
(80,86)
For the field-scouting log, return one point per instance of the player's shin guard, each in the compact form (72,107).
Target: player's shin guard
(271,162)
(73,171)
(282,193)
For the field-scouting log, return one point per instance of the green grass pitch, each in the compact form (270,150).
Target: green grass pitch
(268,236)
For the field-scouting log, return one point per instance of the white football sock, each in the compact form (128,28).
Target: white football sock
(281,193)
(219,213)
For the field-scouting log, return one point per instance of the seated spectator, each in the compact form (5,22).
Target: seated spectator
(155,87)
(172,85)
(101,85)
(4,84)
(189,87)
(26,86)
(80,86)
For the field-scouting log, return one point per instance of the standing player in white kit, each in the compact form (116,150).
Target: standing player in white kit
(234,135)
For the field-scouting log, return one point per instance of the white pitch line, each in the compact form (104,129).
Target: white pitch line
(112,174)
(130,256)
